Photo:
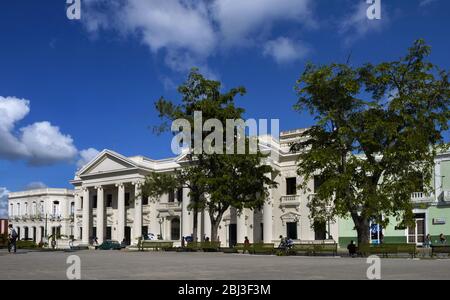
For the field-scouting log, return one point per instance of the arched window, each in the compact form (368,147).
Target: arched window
(175,229)
(72,208)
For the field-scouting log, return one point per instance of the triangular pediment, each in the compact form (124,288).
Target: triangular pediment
(107,162)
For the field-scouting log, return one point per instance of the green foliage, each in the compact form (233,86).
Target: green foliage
(378,129)
(216,181)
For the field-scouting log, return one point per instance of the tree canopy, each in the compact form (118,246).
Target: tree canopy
(377,131)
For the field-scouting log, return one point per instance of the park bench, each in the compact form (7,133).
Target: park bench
(263,248)
(440,249)
(256,248)
(386,249)
(155,245)
(242,247)
(314,249)
(205,246)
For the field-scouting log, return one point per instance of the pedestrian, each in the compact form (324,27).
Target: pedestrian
(246,245)
(442,238)
(282,243)
(427,242)
(351,249)
(12,238)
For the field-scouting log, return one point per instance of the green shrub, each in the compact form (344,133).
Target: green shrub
(26,245)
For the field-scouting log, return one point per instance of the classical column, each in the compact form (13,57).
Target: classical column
(100,214)
(137,211)
(76,232)
(121,219)
(86,216)
(267,219)
(241,228)
(186,224)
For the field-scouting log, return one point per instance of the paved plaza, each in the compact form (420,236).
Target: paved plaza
(209,266)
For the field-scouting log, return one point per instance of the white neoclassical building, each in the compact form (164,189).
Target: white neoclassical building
(108,203)
(43,212)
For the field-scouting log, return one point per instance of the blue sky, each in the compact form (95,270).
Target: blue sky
(90,84)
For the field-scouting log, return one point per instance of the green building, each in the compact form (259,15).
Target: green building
(431,213)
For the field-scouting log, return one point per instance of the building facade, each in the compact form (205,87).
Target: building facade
(108,203)
(431,214)
(38,214)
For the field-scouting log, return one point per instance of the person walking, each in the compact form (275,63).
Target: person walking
(12,238)
(246,245)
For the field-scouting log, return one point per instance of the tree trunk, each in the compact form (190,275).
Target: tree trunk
(215,223)
(195,225)
(214,232)
(363,230)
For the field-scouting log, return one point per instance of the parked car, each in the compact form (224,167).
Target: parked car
(110,245)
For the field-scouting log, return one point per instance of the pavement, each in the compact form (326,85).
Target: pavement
(27,264)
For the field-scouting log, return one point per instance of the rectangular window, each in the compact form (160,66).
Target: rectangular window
(94,203)
(180,195)
(291,186)
(144,200)
(127,199)
(318,181)
(109,201)
(171,196)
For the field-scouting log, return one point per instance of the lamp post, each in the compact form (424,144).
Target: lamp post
(45,230)
(161,220)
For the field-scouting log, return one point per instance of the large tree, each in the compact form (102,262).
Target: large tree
(216,181)
(378,129)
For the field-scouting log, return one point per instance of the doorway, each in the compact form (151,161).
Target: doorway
(320,231)
(291,230)
(233,235)
(128,235)
(416,232)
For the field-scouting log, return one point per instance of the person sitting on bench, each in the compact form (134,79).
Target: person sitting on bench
(351,249)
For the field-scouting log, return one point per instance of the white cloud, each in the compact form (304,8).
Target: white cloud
(240,21)
(188,32)
(284,50)
(12,110)
(173,26)
(46,144)
(356,25)
(86,156)
(3,202)
(426,2)
(36,185)
(39,144)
